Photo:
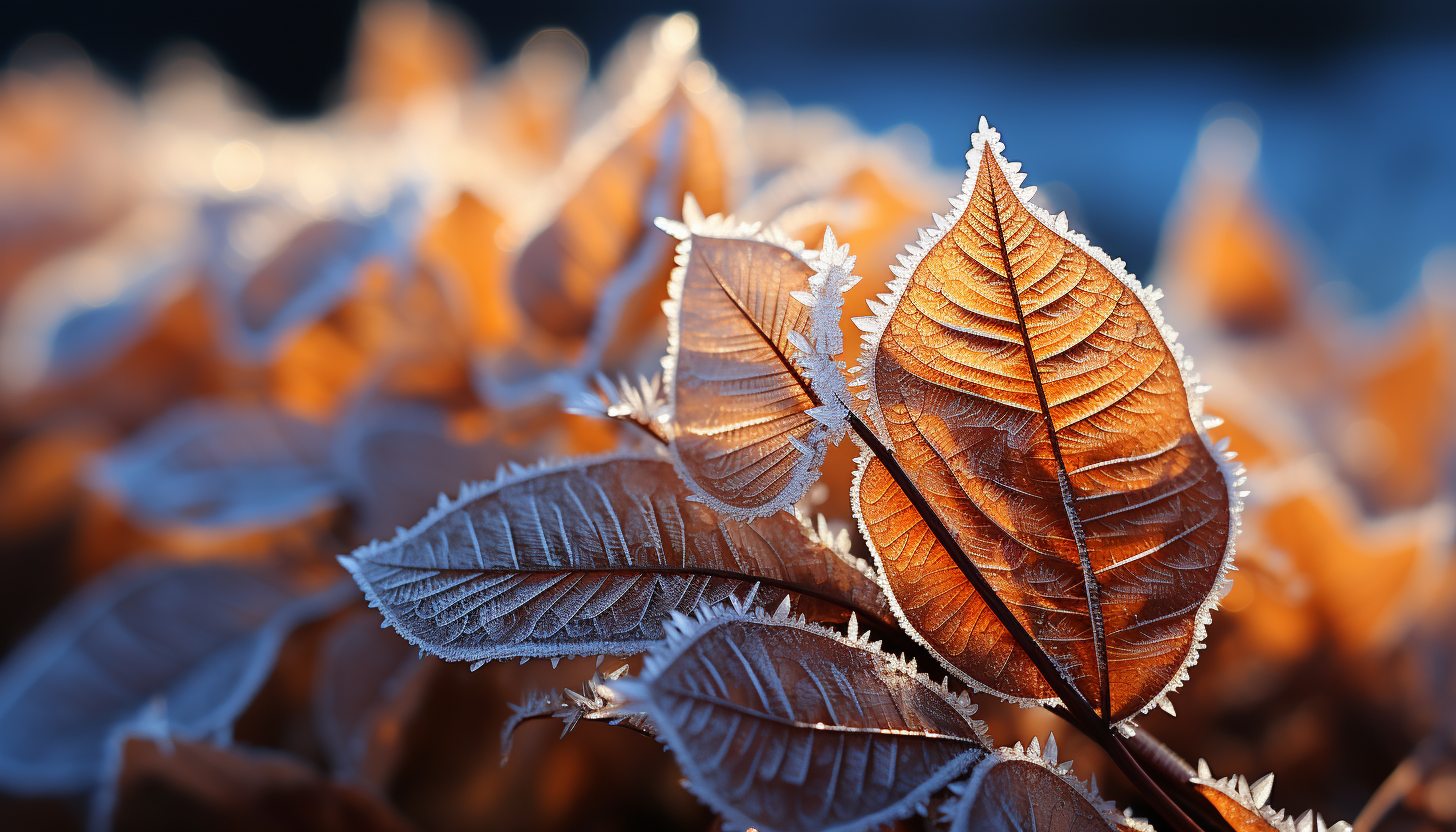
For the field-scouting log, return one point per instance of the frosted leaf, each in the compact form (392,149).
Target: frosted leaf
(595,703)
(199,786)
(188,644)
(589,557)
(1246,806)
(787,726)
(269,284)
(368,684)
(217,464)
(755,391)
(1030,388)
(643,404)
(80,309)
(1026,790)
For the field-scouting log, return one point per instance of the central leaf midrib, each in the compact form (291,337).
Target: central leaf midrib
(807,590)
(1089,576)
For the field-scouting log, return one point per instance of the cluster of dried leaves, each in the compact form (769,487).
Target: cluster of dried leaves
(234,348)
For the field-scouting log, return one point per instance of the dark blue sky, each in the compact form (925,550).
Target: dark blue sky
(1357,100)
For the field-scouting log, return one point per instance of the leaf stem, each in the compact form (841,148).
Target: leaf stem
(1080,712)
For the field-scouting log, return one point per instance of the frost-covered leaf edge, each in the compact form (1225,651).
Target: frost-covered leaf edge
(963,793)
(833,268)
(596,703)
(1255,797)
(683,630)
(873,328)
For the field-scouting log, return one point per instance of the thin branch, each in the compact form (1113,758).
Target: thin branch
(1082,714)
(1089,578)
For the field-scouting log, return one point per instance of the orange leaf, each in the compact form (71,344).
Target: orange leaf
(1028,387)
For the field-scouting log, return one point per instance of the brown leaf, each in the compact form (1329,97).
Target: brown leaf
(783,725)
(636,163)
(1227,257)
(404,49)
(462,248)
(589,557)
(752,413)
(1370,578)
(1398,440)
(1049,422)
(1245,807)
(1027,790)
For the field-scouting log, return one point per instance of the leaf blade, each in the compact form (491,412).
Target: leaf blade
(1035,393)
(783,725)
(1016,789)
(588,557)
(753,388)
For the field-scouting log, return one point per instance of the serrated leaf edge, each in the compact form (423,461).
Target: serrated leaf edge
(682,631)
(1255,797)
(815,361)
(873,328)
(469,492)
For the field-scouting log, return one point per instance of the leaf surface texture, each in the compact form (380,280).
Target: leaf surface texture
(785,726)
(590,558)
(1024,383)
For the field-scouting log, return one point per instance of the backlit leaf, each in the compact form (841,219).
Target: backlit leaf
(589,557)
(1245,805)
(1027,790)
(403,50)
(183,648)
(589,278)
(1056,430)
(1225,254)
(782,725)
(753,387)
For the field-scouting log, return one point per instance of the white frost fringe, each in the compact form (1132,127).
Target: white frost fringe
(955,812)
(1255,798)
(873,327)
(683,631)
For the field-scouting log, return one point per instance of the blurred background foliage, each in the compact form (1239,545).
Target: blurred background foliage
(286,384)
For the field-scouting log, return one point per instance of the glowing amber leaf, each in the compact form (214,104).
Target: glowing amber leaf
(1025,385)
(750,376)
(662,140)
(1228,256)
(403,49)
(461,248)
(1245,805)
(1369,578)
(1399,443)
